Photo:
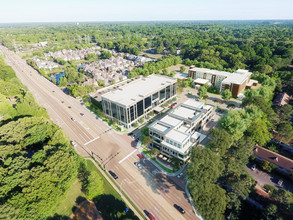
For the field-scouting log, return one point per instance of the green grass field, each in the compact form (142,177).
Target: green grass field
(65,207)
(109,196)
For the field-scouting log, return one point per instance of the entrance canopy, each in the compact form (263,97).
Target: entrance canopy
(158,109)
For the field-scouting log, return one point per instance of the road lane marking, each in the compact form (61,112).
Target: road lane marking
(91,141)
(127,156)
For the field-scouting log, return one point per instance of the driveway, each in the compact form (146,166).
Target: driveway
(264,178)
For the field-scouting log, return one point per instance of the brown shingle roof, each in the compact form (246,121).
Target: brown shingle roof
(282,99)
(274,158)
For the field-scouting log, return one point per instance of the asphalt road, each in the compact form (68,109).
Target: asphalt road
(150,190)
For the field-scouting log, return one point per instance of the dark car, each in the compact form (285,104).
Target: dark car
(82,114)
(180,209)
(113,174)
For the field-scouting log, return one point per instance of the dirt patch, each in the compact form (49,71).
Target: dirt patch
(87,210)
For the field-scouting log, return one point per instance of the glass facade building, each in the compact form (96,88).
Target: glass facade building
(131,110)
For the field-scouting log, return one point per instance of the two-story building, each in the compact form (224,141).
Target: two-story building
(177,132)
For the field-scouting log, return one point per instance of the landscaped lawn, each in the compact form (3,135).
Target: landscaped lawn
(65,207)
(147,152)
(109,203)
(108,189)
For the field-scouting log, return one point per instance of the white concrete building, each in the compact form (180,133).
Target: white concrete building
(176,133)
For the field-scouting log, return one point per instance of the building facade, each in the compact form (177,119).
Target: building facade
(236,82)
(177,132)
(136,99)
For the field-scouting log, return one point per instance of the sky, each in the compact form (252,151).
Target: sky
(15,11)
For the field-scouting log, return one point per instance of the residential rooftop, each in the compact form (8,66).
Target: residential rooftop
(274,158)
(137,89)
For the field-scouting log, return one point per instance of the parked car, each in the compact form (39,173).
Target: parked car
(179,208)
(151,217)
(179,175)
(113,174)
(73,143)
(280,182)
(140,156)
(253,167)
(139,166)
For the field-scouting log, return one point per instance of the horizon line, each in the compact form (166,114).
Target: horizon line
(125,21)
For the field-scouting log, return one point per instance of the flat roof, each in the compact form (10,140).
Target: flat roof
(194,103)
(215,72)
(159,126)
(201,81)
(139,88)
(237,77)
(200,135)
(176,136)
(185,112)
(171,120)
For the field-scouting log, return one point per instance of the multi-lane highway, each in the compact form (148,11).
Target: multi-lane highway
(148,188)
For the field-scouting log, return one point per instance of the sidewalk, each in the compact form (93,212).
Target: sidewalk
(139,148)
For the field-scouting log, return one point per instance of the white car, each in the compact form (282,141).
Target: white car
(73,143)
(179,175)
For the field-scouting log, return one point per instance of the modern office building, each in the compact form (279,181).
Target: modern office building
(177,132)
(137,98)
(236,82)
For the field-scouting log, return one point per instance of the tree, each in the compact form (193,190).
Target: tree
(165,71)
(202,92)
(258,131)
(284,112)
(235,123)
(175,162)
(182,69)
(155,152)
(285,132)
(172,73)
(144,131)
(95,185)
(203,171)
(105,54)
(221,141)
(271,213)
(63,81)
(226,94)
(285,198)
